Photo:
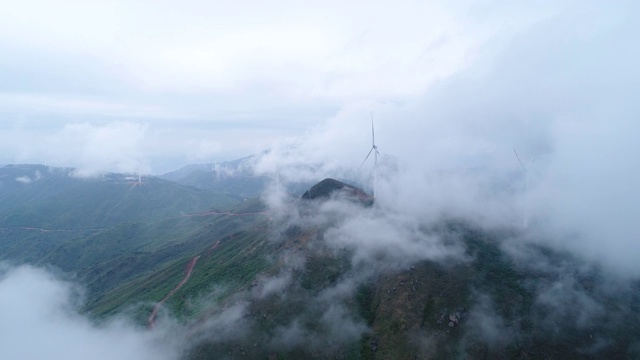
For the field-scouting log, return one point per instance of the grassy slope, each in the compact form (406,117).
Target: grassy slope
(233,263)
(115,233)
(90,204)
(93,220)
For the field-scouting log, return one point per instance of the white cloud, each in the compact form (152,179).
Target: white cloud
(39,319)
(267,69)
(79,105)
(561,89)
(23,179)
(95,148)
(394,239)
(336,50)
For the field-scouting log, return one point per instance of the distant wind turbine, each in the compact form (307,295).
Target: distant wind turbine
(133,180)
(525,220)
(374,150)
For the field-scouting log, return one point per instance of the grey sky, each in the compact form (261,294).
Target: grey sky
(208,81)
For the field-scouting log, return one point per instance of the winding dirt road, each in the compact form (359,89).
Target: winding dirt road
(154,314)
(46,230)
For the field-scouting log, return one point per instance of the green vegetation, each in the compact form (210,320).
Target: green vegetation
(126,241)
(131,244)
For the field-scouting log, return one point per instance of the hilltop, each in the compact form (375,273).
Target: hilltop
(332,187)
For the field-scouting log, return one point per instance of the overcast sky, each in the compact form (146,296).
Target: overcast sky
(153,85)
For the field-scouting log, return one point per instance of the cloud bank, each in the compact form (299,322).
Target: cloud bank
(218,81)
(558,89)
(40,318)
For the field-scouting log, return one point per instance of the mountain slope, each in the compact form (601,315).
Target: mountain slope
(283,288)
(229,177)
(105,230)
(324,276)
(54,199)
(488,307)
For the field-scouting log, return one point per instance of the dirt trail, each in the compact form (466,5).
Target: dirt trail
(152,318)
(265,212)
(154,313)
(46,230)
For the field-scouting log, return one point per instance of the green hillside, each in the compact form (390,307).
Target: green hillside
(54,199)
(106,230)
(253,282)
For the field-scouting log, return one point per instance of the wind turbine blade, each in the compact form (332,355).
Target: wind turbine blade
(365,159)
(520,161)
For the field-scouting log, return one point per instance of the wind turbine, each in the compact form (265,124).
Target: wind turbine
(374,150)
(525,221)
(132,181)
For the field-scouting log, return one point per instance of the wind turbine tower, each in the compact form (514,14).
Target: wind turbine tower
(525,221)
(374,149)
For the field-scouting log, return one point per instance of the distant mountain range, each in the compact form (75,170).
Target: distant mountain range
(317,276)
(235,178)
(36,195)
